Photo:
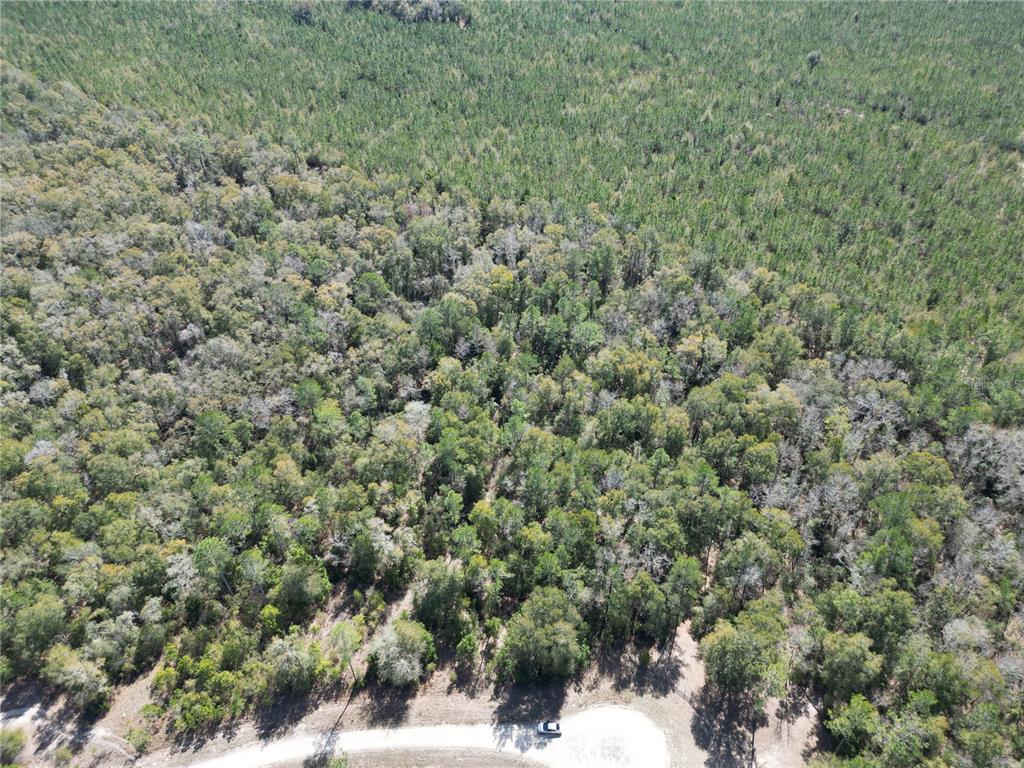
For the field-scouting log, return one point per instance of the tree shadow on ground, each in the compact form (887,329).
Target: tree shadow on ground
(58,722)
(802,702)
(794,705)
(327,747)
(520,708)
(821,743)
(468,676)
(286,711)
(521,737)
(193,740)
(283,714)
(62,725)
(55,721)
(805,703)
(724,727)
(657,678)
(21,694)
(466,679)
(269,721)
(387,706)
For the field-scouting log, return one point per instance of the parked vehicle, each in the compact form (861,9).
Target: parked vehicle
(549,728)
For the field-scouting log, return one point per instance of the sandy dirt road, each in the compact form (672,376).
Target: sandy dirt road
(602,737)
(616,714)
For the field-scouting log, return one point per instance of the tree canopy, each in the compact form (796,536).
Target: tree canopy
(247,389)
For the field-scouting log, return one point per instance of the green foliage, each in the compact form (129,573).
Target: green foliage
(466,649)
(303,586)
(440,601)
(742,656)
(403,652)
(811,149)
(12,741)
(855,725)
(682,586)
(848,665)
(344,640)
(239,376)
(83,680)
(544,638)
(37,625)
(292,664)
(406,10)
(138,738)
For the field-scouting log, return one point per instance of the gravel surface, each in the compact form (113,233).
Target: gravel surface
(603,737)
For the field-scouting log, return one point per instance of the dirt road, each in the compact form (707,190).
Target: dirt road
(616,737)
(618,713)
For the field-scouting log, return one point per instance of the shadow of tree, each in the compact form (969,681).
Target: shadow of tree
(794,705)
(821,742)
(465,680)
(519,707)
(20,694)
(802,702)
(194,740)
(658,677)
(268,720)
(58,722)
(522,703)
(282,714)
(724,727)
(328,744)
(63,724)
(385,705)
(521,737)
(326,748)
(467,676)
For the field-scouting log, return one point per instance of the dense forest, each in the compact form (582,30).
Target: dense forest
(244,376)
(867,149)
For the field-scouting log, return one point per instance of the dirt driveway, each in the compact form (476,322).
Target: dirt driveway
(618,714)
(602,737)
